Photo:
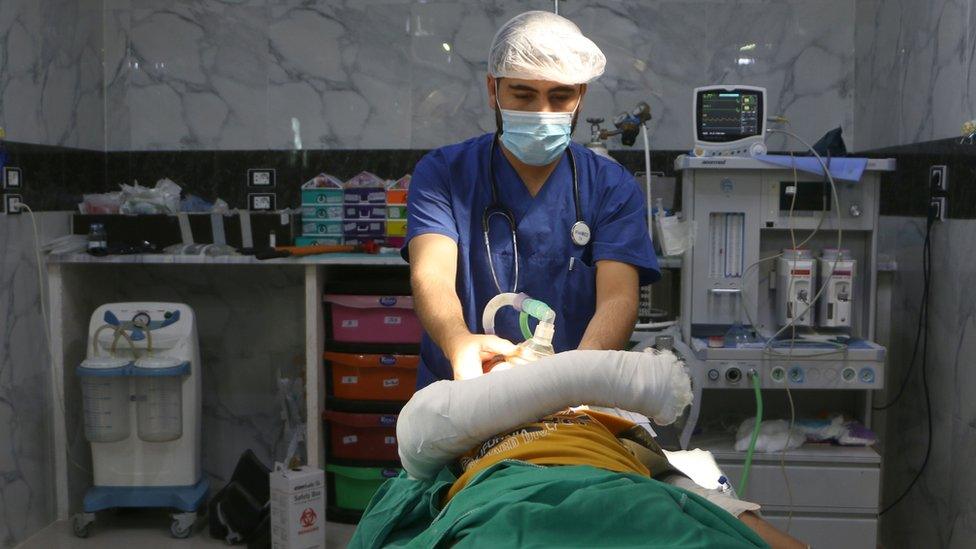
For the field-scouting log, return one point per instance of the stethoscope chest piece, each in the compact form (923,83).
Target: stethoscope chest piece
(580,233)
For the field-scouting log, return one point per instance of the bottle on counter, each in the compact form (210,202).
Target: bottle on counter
(97,239)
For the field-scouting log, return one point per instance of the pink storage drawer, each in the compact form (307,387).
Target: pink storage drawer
(373,319)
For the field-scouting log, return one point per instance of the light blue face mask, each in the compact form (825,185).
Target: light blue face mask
(536,138)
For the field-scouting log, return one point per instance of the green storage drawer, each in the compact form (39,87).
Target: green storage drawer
(317,227)
(322,196)
(312,212)
(355,486)
(396,212)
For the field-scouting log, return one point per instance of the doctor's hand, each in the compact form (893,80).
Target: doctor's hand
(467,352)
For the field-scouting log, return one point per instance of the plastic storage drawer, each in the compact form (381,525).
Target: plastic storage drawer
(396,228)
(362,437)
(321,228)
(365,195)
(322,196)
(396,196)
(312,213)
(364,227)
(396,212)
(373,319)
(364,212)
(355,486)
(377,239)
(372,377)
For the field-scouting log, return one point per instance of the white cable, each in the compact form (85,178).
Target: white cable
(58,383)
(647,177)
(768,348)
(650,206)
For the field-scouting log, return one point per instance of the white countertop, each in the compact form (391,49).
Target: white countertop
(323,259)
(167,259)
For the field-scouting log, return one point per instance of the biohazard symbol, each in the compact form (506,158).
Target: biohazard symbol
(308,518)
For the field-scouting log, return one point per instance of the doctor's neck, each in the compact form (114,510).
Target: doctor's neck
(534,177)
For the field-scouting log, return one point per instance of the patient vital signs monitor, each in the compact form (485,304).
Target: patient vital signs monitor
(730,121)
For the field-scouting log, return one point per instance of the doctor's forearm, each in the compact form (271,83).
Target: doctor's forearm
(439,310)
(611,325)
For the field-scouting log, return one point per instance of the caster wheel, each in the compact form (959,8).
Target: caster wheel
(81,524)
(180,531)
(182,525)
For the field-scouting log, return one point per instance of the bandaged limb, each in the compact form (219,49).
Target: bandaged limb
(448,418)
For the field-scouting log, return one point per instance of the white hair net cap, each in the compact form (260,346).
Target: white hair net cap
(539,45)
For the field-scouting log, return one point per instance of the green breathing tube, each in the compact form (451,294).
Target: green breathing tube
(755,434)
(536,309)
(524,324)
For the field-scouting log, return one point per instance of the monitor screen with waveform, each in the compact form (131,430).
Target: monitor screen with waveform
(729,114)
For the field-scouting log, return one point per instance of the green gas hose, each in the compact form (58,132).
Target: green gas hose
(524,324)
(755,434)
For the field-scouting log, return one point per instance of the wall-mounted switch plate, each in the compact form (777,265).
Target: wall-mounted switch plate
(261,178)
(261,202)
(938,179)
(12,203)
(13,178)
(937,208)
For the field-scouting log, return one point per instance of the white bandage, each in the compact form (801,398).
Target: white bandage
(448,418)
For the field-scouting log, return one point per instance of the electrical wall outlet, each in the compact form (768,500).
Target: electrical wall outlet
(938,179)
(261,178)
(13,178)
(261,202)
(12,203)
(937,208)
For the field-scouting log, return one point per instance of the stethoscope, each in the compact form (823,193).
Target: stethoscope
(579,233)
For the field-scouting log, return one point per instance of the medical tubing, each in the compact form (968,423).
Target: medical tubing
(98,332)
(541,312)
(833,189)
(496,303)
(538,310)
(650,209)
(755,434)
(524,325)
(121,332)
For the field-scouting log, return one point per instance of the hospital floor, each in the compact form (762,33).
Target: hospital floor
(149,530)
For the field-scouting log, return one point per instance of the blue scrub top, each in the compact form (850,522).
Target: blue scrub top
(450,190)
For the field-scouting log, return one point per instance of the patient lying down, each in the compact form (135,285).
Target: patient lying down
(503,461)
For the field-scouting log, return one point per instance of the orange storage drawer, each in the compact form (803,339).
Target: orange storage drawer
(396,196)
(372,377)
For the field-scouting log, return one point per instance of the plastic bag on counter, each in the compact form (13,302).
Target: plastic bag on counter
(672,235)
(194,204)
(837,430)
(773,436)
(164,198)
(323,181)
(100,203)
(364,180)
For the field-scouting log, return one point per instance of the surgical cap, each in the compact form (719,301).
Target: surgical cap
(539,45)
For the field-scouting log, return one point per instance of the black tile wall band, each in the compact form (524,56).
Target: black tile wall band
(56,177)
(905,192)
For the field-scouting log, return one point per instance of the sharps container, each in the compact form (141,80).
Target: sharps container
(105,397)
(159,397)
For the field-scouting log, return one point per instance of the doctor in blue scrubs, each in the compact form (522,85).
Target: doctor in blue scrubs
(526,210)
